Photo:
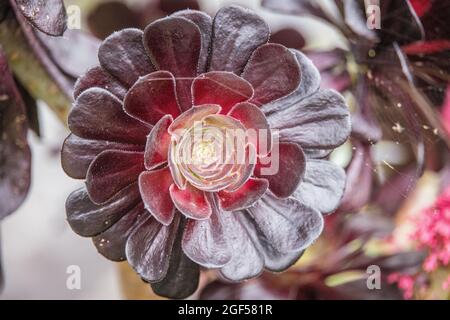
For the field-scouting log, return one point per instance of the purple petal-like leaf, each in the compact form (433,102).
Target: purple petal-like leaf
(319,121)
(222,88)
(149,248)
(15,155)
(286,223)
(254,120)
(111,243)
(182,276)
(78,153)
(191,202)
(317,153)
(309,83)
(244,197)
(47,16)
(273,71)
(322,186)
(288,37)
(98,115)
(283,168)
(158,143)
(205,241)
(237,32)
(89,219)
(204,23)
(122,54)
(246,262)
(152,97)
(111,171)
(154,186)
(358,187)
(274,260)
(97,77)
(188,118)
(174,44)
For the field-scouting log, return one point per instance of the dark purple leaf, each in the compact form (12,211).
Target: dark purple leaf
(204,23)
(205,241)
(182,276)
(158,143)
(78,153)
(222,88)
(287,224)
(288,161)
(15,155)
(359,179)
(149,248)
(246,261)
(290,38)
(98,114)
(89,219)
(111,243)
(309,83)
(191,202)
(47,16)
(111,171)
(97,77)
(274,260)
(174,44)
(320,121)
(273,71)
(237,32)
(322,186)
(244,197)
(122,54)
(153,97)
(154,186)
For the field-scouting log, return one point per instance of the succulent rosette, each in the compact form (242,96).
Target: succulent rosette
(169,203)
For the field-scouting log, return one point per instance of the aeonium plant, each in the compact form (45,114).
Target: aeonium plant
(168,188)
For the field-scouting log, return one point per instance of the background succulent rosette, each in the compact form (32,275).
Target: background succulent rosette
(168,219)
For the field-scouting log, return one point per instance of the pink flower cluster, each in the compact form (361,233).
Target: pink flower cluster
(405,282)
(432,233)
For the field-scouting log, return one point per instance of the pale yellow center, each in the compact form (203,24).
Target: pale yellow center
(204,152)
